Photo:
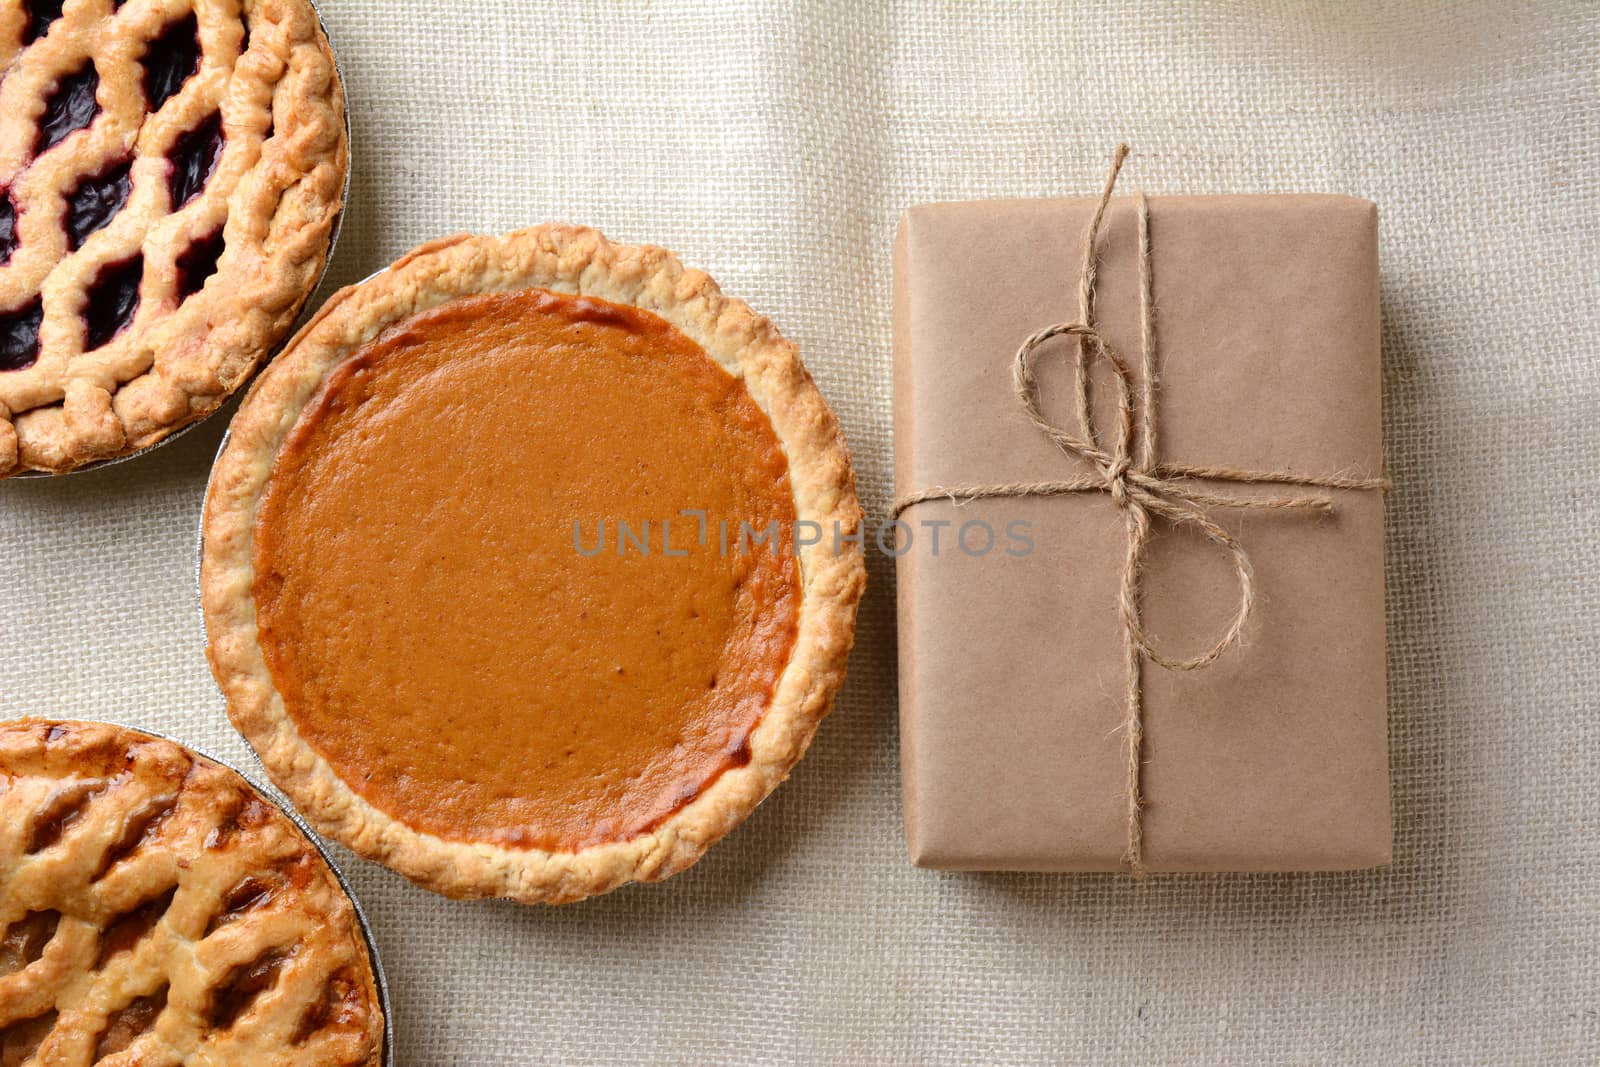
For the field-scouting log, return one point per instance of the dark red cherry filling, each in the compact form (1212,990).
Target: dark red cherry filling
(70,108)
(199,262)
(172,59)
(94,202)
(19,336)
(193,159)
(113,298)
(8,227)
(41,13)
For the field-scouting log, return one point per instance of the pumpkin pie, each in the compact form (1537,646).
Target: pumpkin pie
(531,566)
(171,174)
(156,910)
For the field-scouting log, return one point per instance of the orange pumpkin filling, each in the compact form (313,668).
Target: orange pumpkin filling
(438,609)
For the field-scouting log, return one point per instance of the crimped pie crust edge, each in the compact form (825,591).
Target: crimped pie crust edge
(566,259)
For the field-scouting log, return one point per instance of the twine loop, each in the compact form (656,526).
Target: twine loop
(1137,487)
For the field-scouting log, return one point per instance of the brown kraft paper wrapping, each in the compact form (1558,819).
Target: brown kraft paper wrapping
(1012,669)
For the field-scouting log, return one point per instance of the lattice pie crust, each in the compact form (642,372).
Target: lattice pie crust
(172,171)
(155,910)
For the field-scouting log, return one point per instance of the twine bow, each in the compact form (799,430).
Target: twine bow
(1144,490)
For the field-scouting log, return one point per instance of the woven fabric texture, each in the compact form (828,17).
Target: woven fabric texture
(774,145)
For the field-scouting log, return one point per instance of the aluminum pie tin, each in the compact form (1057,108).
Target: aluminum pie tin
(380,981)
(305,312)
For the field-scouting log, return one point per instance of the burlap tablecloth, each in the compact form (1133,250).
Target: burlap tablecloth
(775,145)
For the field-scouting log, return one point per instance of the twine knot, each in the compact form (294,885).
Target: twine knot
(1117,479)
(1125,469)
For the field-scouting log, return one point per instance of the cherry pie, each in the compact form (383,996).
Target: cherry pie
(171,172)
(154,909)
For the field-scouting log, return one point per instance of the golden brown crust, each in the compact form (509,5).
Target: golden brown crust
(154,909)
(572,260)
(276,192)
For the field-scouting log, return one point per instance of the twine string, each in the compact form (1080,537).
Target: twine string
(1145,490)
